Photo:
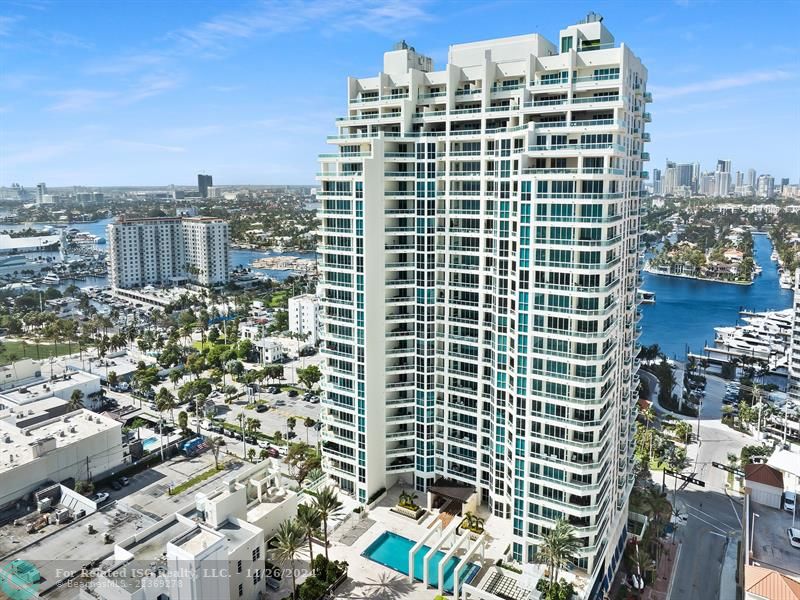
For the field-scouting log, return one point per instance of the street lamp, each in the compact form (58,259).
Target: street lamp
(752,531)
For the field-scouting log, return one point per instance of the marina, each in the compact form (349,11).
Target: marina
(689,310)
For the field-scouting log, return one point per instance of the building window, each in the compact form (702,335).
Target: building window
(256,553)
(239,566)
(241,590)
(566,44)
(256,576)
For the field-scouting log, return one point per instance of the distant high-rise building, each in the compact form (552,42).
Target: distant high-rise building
(474,339)
(751,179)
(683,176)
(739,179)
(203,183)
(707,184)
(657,183)
(722,184)
(766,186)
(168,250)
(41,192)
(670,178)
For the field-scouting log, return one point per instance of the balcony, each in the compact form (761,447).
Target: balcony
(648,97)
(645,175)
(647,117)
(646,155)
(645,137)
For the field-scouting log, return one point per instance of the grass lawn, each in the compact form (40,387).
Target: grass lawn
(28,350)
(208,345)
(279,299)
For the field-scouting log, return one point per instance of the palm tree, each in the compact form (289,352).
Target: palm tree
(165,401)
(75,400)
(649,416)
(309,520)
(113,378)
(327,503)
(215,443)
(309,423)
(288,542)
(559,545)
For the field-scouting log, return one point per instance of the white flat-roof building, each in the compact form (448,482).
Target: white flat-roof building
(168,250)
(61,385)
(80,445)
(304,316)
(480,259)
(25,370)
(212,549)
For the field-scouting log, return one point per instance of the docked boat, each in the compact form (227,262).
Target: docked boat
(646,297)
(51,279)
(786,281)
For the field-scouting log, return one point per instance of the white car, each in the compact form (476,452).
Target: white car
(794,536)
(789,501)
(100,497)
(262,443)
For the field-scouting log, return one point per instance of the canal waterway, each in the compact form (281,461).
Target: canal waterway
(687,310)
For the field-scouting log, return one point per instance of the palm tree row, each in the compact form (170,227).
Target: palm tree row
(294,533)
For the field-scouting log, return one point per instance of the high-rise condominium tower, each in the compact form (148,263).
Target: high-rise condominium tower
(480,231)
(168,250)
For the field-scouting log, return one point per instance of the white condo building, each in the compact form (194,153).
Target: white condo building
(168,250)
(304,316)
(480,242)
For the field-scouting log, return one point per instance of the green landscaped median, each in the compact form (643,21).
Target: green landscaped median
(195,480)
(22,349)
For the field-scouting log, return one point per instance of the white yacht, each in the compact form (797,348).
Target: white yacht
(51,279)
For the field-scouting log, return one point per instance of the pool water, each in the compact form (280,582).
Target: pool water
(391,550)
(149,443)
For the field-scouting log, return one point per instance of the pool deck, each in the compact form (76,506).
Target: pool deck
(369,579)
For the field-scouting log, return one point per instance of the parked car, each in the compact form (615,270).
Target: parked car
(291,435)
(292,393)
(273,389)
(789,501)
(794,536)
(124,480)
(100,497)
(314,400)
(262,443)
(273,452)
(262,408)
(116,485)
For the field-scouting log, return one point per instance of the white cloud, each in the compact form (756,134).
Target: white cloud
(7,24)
(723,83)
(79,99)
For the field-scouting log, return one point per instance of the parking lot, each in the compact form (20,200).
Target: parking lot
(771,547)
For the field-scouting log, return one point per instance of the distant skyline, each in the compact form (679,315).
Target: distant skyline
(126,94)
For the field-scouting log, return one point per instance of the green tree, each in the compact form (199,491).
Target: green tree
(557,548)
(328,504)
(309,423)
(289,542)
(309,376)
(113,379)
(75,400)
(309,520)
(216,444)
(183,420)
(165,401)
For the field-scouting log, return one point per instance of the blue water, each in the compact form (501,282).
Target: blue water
(686,310)
(150,443)
(391,550)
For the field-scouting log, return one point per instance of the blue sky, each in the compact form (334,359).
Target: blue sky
(153,92)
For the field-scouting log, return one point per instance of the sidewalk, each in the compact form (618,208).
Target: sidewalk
(665,570)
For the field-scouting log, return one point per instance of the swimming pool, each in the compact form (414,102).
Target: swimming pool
(150,443)
(391,550)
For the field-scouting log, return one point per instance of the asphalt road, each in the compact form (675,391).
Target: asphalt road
(710,516)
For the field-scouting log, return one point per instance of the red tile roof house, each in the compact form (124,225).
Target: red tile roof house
(765,483)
